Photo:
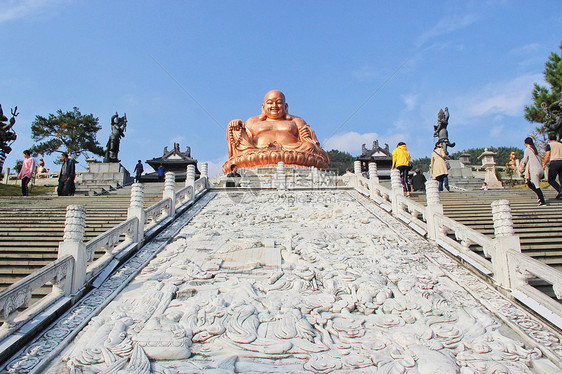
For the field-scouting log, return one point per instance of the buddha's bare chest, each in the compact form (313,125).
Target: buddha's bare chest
(264,127)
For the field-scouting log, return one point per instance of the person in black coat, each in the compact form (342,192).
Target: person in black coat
(66,178)
(418,181)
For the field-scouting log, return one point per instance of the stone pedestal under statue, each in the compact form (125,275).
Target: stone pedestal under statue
(104,175)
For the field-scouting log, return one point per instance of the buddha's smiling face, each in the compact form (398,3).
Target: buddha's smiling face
(274,105)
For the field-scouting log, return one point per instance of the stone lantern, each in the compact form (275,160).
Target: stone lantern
(465,158)
(489,163)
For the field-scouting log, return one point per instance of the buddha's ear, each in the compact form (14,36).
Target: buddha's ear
(287,115)
(262,116)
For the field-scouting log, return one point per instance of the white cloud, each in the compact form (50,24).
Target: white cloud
(177,139)
(447,25)
(527,49)
(215,167)
(349,142)
(410,101)
(366,73)
(14,9)
(500,98)
(352,141)
(496,131)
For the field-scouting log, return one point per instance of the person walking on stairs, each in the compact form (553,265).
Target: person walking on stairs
(138,171)
(532,167)
(554,155)
(26,172)
(438,167)
(66,178)
(401,160)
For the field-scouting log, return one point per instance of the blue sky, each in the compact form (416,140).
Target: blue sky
(355,70)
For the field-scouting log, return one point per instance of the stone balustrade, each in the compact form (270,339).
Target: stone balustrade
(503,263)
(75,270)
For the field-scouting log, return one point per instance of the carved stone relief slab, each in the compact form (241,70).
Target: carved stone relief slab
(304,282)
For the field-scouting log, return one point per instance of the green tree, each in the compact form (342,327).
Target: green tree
(340,161)
(502,157)
(421,163)
(548,97)
(69,132)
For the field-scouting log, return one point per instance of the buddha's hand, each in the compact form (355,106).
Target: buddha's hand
(236,125)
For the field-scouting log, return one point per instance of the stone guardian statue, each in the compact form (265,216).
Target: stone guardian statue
(7,135)
(441,132)
(118,126)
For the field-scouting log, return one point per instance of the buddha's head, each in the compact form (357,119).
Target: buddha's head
(274,106)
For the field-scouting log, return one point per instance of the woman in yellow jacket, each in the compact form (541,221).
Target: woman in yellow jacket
(401,160)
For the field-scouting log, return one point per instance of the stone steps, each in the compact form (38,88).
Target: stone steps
(539,229)
(31,228)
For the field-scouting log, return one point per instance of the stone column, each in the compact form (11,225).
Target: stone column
(505,240)
(396,190)
(170,191)
(433,207)
(6,175)
(280,176)
(315,177)
(136,209)
(357,167)
(73,245)
(373,179)
(205,173)
(190,176)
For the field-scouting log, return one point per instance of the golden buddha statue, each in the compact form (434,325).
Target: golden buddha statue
(273,136)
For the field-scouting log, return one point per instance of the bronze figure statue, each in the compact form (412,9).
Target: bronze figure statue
(7,135)
(273,136)
(441,132)
(118,126)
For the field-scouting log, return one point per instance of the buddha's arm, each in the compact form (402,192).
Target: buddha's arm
(306,134)
(237,137)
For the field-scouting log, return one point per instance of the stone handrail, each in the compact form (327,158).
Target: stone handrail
(503,261)
(465,237)
(18,295)
(184,195)
(109,241)
(413,210)
(74,271)
(200,185)
(157,212)
(521,267)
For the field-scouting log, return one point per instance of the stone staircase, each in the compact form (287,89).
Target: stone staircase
(539,228)
(32,227)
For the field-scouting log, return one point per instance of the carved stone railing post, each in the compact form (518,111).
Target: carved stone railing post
(190,175)
(433,207)
(356,173)
(73,245)
(170,191)
(373,179)
(395,190)
(315,177)
(136,209)
(205,173)
(280,176)
(357,167)
(504,241)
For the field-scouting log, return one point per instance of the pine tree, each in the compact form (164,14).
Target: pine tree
(69,132)
(340,161)
(548,97)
